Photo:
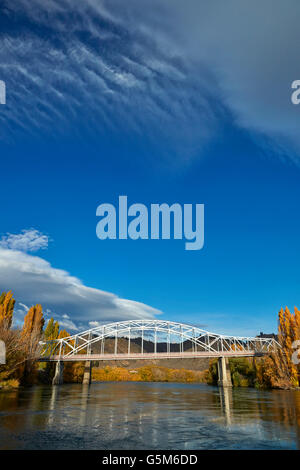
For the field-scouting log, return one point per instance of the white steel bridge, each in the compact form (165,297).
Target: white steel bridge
(151,339)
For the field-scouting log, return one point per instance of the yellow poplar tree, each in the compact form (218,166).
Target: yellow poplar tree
(7,303)
(288,332)
(31,335)
(278,370)
(33,321)
(51,330)
(73,371)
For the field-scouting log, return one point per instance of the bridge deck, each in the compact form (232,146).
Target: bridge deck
(147,356)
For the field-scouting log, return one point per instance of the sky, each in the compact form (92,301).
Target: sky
(166,103)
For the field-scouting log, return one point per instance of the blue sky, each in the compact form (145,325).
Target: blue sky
(111,100)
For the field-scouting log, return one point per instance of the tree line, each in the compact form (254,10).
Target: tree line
(23,346)
(279,369)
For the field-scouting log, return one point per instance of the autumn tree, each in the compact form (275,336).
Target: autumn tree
(31,335)
(73,371)
(9,372)
(63,334)
(12,341)
(278,370)
(7,303)
(33,321)
(47,369)
(288,332)
(52,330)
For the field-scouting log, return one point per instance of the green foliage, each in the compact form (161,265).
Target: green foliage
(52,330)
(242,372)
(47,369)
(211,376)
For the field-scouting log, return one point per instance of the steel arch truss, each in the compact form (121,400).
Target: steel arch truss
(200,342)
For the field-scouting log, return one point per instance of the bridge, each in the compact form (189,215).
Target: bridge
(151,339)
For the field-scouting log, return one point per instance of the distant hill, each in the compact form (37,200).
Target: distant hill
(135,347)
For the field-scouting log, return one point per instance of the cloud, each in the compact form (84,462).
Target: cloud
(168,71)
(100,73)
(27,240)
(33,280)
(252,50)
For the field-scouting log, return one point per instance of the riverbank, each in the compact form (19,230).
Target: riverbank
(9,385)
(245,372)
(149,373)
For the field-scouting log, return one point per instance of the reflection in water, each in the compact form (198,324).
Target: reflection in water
(226,403)
(84,412)
(148,415)
(53,400)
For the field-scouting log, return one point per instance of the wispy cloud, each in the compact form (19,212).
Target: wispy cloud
(166,71)
(100,72)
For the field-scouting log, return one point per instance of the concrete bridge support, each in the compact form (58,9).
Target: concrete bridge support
(87,375)
(224,376)
(58,378)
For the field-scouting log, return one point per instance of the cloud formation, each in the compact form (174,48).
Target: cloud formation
(27,240)
(164,69)
(33,280)
(101,72)
(251,47)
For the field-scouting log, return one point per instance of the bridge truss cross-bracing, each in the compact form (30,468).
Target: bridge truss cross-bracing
(148,339)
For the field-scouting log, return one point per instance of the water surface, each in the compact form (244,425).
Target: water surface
(148,416)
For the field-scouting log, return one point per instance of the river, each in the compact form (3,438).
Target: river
(148,416)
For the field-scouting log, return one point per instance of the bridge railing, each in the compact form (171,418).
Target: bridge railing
(176,336)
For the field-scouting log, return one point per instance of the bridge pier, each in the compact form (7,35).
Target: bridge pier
(224,376)
(58,378)
(87,375)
